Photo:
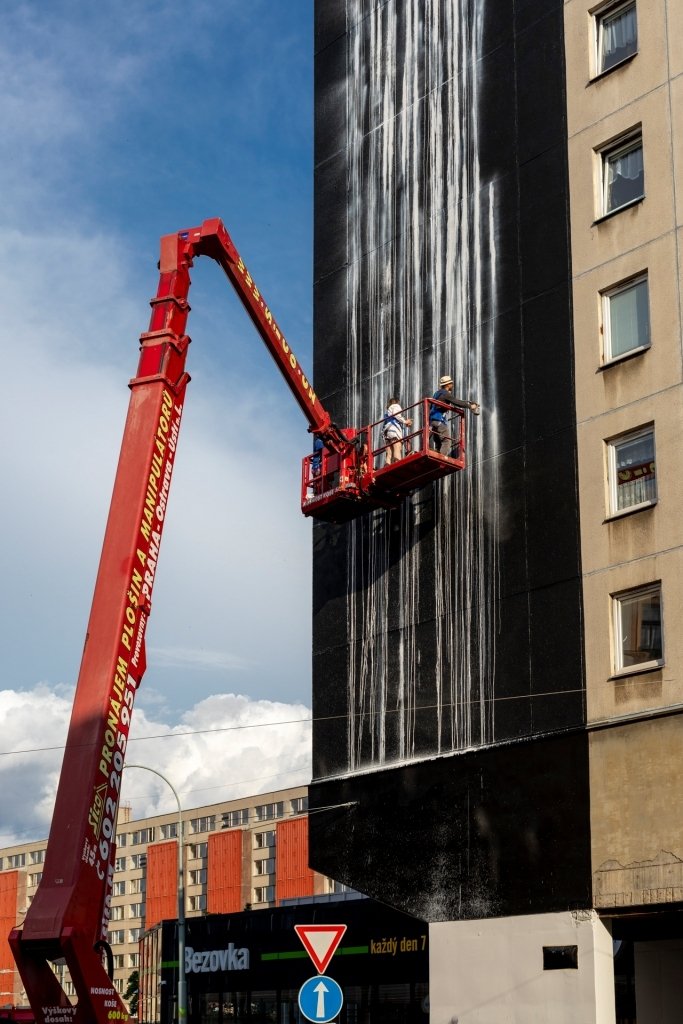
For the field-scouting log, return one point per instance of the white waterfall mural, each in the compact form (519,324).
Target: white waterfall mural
(422,288)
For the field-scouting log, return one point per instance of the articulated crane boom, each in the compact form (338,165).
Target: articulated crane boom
(69,915)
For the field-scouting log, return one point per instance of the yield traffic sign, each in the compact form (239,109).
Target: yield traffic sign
(320,941)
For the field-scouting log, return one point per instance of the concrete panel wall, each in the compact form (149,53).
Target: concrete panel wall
(492,972)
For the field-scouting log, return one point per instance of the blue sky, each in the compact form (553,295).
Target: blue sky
(121,123)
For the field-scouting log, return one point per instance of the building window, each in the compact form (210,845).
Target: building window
(198,851)
(265,866)
(119,889)
(207,824)
(122,839)
(133,959)
(136,885)
(265,812)
(120,864)
(233,819)
(198,902)
(133,934)
(632,476)
(623,177)
(143,835)
(263,839)
(116,938)
(16,860)
(37,856)
(117,913)
(169,831)
(626,319)
(299,804)
(138,860)
(136,910)
(616,34)
(264,894)
(119,961)
(638,628)
(34,879)
(198,876)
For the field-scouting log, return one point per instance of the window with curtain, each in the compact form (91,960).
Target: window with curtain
(632,470)
(623,174)
(626,318)
(617,35)
(638,628)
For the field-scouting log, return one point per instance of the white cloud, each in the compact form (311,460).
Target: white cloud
(225,747)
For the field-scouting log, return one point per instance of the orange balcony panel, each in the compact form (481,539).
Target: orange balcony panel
(162,883)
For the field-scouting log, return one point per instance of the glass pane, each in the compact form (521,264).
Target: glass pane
(624,176)
(618,36)
(635,471)
(629,319)
(264,1007)
(641,628)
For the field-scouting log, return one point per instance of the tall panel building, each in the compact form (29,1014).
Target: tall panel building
(497,671)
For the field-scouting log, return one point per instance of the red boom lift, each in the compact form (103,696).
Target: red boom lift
(69,915)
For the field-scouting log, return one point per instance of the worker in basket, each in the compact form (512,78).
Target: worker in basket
(440,436)
(393,431)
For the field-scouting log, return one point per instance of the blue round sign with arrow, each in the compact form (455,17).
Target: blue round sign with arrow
(320,999)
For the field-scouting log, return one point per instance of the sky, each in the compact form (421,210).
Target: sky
(122,122)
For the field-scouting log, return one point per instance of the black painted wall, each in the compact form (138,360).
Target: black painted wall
(503,829)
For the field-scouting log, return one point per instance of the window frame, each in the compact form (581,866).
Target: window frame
(599,15)
(618,600)
(612,444)
(606,332)
(626,142)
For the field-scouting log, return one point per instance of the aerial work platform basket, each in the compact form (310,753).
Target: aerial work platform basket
(374,472)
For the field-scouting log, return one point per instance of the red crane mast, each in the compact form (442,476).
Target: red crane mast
(70,913)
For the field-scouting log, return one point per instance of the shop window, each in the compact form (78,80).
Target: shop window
(626,319)
(632,471)
(638,629)
(623,175)
(616,34)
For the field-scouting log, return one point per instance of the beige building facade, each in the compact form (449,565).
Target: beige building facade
(625,128)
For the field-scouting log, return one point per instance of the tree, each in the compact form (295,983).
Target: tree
(131,993)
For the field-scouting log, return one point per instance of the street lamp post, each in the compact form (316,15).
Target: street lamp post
(182,984)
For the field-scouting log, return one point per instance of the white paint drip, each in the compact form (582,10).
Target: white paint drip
(422,260)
